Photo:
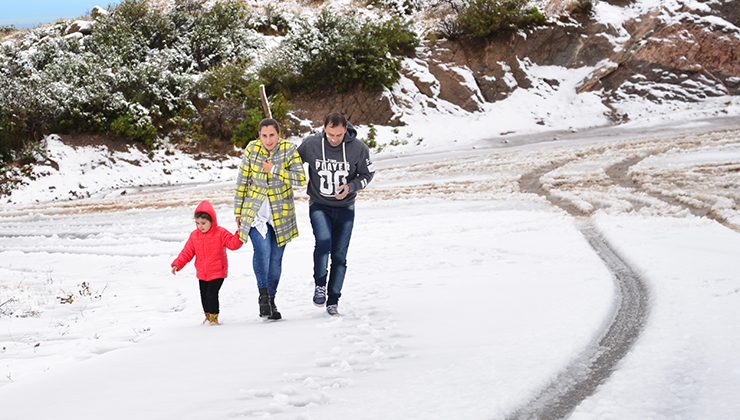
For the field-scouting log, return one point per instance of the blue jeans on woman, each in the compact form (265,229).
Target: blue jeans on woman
(332,229)
(267,260)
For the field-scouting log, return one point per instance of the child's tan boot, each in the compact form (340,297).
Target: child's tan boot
(207,318)
(214,319)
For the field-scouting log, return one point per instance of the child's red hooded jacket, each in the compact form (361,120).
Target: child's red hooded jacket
(208,248)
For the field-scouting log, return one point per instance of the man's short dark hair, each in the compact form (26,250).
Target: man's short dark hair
(269,122)
(335,119)
(203,215)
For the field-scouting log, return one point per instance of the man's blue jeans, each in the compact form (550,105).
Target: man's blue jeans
(332,228)
(267,260)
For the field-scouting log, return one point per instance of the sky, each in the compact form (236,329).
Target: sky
(29,13)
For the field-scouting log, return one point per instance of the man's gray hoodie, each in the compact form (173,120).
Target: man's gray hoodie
(330,167)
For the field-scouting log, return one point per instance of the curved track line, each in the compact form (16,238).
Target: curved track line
(619,173)
(593,366)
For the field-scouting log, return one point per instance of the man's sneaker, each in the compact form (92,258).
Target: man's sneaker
(332,310)
(319,295)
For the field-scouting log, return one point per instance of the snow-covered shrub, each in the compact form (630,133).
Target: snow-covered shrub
(401,7)
(270,21)
(136,124)
(397,34)
(137,57)
(228,81)
(222,33)
(483,19)
(339,53)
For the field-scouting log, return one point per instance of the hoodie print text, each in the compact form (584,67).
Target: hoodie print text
(333,174)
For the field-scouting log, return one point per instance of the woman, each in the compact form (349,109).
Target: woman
(264,208)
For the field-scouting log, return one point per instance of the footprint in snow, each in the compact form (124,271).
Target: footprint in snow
(364,343)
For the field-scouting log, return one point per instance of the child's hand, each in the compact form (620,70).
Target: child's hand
(174,270)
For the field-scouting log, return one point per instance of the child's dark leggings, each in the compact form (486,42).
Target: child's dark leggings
(209,294)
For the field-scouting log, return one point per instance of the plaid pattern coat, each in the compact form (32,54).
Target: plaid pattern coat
(253,185)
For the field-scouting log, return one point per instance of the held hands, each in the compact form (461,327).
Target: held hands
(342,192)
(238,228)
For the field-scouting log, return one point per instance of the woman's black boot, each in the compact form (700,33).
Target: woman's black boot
(274,314)
(264,302)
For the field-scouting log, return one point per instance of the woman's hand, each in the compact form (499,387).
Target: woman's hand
(267,166)
(174,270)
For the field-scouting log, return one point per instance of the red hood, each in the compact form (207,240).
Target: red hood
(206,207)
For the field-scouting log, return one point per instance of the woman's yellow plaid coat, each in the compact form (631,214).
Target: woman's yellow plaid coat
(253,185)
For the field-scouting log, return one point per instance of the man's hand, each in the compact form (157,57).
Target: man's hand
(238,221)
(267,166)
(174,270)
(342,192)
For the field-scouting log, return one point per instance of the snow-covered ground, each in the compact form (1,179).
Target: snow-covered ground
(464,296)
(424,310)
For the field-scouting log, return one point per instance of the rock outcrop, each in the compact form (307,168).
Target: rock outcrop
(84,27)
(360,107)
(673,52)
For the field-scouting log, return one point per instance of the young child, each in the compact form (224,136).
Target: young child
(208,243)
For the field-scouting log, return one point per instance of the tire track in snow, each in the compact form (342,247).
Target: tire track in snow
(619,173)
(593,366)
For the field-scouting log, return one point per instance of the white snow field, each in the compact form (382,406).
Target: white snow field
(464,295)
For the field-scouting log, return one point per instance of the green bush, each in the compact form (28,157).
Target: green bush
(222,33)
(229,105)
(270,22)
(137,56)
(532,17)
(225,82)
(482,19)
(133,29)
(399,36)
(135,127)
(372,135)
(401,7)
(582,7)
(220,117)
(12,133)
(246,130)
(339,53)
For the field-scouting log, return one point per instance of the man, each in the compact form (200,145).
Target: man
(338,167)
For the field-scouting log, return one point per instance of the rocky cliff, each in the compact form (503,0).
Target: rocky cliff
(682,50)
